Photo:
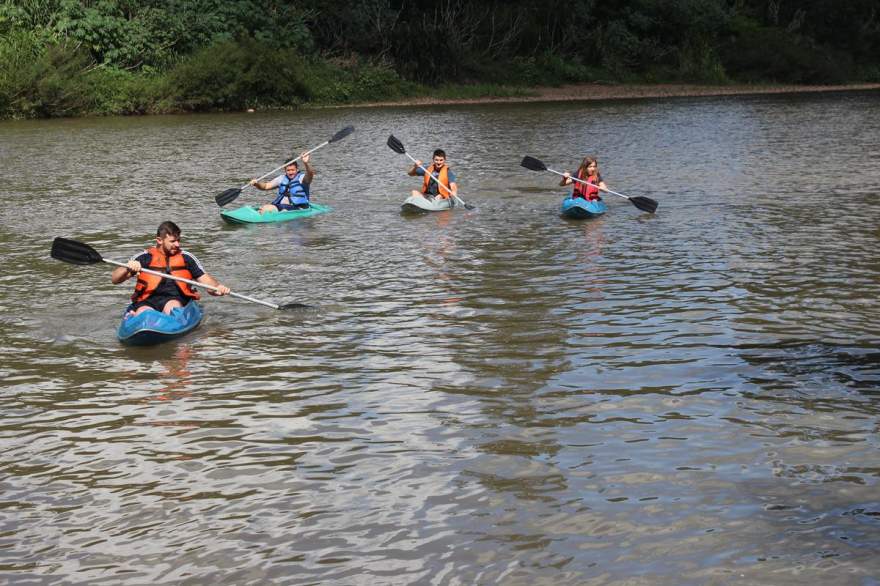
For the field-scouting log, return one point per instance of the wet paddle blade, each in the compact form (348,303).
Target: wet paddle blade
(646,204)
(533,164)
(287,306)
(396,145)
(227,196)
(74,252)
(342,134)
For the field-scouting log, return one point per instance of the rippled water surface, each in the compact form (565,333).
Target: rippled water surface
(495,396)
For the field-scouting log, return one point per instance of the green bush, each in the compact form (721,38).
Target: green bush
(759,53)
(232,75)
(121,92)
(44,81)
(336,81)
(698,61)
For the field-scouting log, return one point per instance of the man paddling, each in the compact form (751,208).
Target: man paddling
(154,292)
(293,187)
(440,174)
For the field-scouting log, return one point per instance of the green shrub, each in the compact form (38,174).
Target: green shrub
(698,61)
(43,81)
(761,53)
(122,92)
(337,82)
(232,75)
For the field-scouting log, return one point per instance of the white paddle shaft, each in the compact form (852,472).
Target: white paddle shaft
(194,283)
(436,180)
(573,178)
(325,143)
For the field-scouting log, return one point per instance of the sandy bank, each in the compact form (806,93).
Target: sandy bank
(597,91)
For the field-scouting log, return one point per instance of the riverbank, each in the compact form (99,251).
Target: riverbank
(611,91)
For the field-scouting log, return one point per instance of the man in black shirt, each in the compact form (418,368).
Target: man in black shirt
(154,292)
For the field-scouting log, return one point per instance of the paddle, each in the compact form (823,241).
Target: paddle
(646,204)
(78,253)
(398,147)
(229,195)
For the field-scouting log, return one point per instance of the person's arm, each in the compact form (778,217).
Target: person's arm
(310,171)
(416,169)
(453,183)
(199,275)
(122,274)
(132,267)
(266,185)
(209,280)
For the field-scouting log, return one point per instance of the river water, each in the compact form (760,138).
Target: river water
(495,396)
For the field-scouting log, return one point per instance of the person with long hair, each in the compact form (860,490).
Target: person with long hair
(588,172)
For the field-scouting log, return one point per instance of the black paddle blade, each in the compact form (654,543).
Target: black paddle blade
(396,145)
(533,164)
(227,196)
(342,134)
(74,252)
(646,204)
(287,306)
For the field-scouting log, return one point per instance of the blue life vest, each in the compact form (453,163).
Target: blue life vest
(293,189)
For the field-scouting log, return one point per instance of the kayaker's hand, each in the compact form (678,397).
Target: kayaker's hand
(253,182)
(305,158)
(221,290)
(134,267)
(418,163)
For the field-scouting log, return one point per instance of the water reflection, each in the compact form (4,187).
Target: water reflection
(176,375)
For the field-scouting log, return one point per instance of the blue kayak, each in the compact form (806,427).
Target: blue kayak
(580,209)
(154,327)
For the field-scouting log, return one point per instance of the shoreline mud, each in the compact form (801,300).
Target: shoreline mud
(598,91)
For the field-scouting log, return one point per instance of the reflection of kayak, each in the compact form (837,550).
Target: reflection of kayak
(419,204)
(251,214)
(580,208)
(153,327)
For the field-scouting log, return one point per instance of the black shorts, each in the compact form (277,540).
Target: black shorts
(295,206)
(158,302)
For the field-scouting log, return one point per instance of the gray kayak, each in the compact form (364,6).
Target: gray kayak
(419,204)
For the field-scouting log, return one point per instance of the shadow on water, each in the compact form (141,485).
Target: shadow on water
(815,367)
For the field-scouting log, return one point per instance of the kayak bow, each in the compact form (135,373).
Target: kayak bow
(154,327)
(578,208)
(419,204)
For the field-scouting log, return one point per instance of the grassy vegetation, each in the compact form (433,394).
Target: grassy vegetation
(121,57)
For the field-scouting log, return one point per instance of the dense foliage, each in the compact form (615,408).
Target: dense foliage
(67,57)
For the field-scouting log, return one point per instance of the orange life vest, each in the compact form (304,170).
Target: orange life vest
(443,178)
(175,265)
(588,192)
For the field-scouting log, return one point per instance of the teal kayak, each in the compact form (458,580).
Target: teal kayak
(579,208)
(251,214)
(418,205)
(154,327)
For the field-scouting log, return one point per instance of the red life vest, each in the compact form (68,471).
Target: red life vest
(443,178)
(588,192)
(175,265)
